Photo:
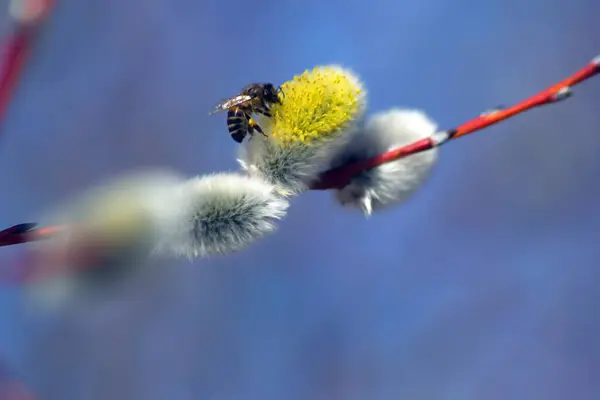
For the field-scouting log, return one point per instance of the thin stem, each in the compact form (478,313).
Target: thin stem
(27,15)
(27,232)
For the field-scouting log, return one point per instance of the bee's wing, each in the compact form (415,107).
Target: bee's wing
(232,102)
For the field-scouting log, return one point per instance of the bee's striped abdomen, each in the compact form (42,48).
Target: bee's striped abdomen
(237,123)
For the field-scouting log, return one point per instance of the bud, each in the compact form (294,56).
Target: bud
(391,183)
(223,213)
(111,230)
(319,109)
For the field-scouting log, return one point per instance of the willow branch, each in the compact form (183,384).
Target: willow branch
(339,177)
(16,49)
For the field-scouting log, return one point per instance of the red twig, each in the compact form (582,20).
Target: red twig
(16,50)
(27,232)
(341,176)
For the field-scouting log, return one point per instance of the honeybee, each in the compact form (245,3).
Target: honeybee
(254,98)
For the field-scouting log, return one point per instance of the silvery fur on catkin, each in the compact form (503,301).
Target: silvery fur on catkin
(394,182)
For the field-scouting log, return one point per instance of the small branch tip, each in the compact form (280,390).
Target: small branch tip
(21,228)
(492,111)
(562,94)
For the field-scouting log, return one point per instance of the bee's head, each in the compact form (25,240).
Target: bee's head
(271,93)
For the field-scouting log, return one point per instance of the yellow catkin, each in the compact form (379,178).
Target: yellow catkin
(317,104)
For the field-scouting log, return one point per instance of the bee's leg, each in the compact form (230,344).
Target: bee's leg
(252,126)
(264,111)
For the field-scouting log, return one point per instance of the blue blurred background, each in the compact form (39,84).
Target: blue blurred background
(483,286)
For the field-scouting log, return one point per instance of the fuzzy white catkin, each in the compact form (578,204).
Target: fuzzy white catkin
(391,183)
(223,213)
(118,223)
(134,217)
(290,168)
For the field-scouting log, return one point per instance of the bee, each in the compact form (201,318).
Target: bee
(255,98)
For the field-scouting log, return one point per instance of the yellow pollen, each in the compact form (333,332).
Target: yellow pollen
(316,105)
